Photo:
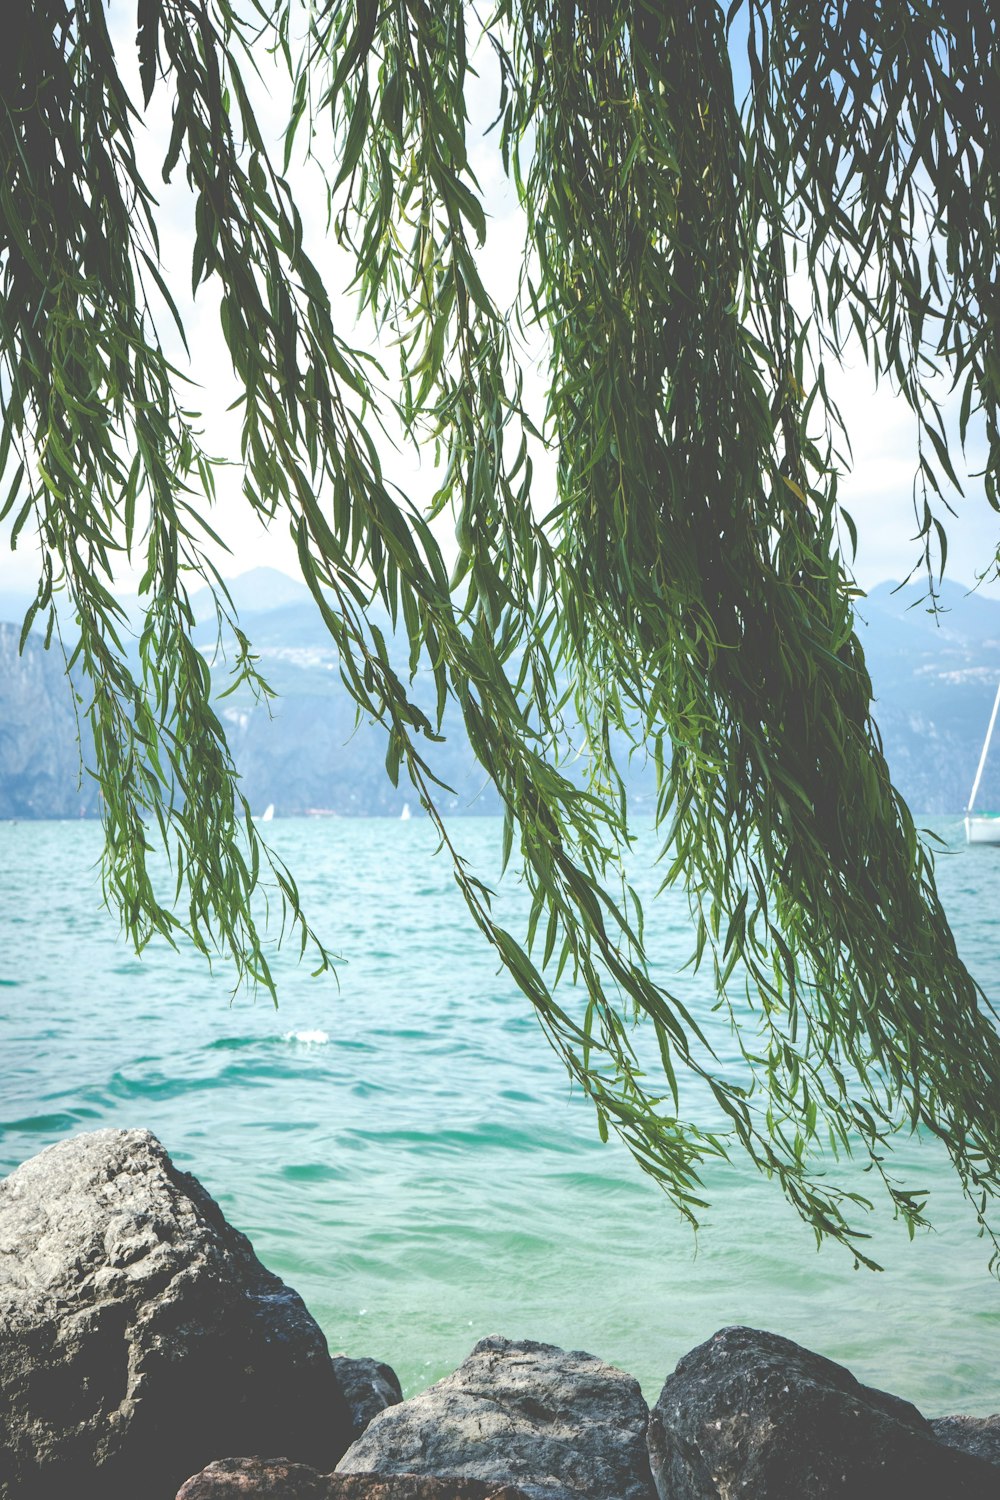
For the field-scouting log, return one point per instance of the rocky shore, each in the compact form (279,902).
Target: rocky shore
(146,1352)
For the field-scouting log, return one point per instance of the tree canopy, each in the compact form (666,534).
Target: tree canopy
(696,261)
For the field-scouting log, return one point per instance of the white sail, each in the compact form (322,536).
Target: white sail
(986,749)
(982,829)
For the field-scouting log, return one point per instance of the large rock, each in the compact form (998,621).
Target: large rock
(369,1387)
(558,1425)
(978,1435)
(277,1479)
(262,1478)
(140,1337)
(750,1414)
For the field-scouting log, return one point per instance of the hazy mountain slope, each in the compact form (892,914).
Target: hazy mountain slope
(304,751)
(934,680)
(40,769)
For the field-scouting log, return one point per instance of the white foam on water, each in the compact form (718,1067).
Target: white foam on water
(307,1038)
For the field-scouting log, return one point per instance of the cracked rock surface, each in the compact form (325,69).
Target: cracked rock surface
(369,1386)
(558,1425)
(977,1435)
(140,1337)
(749,1415)
(277,1479)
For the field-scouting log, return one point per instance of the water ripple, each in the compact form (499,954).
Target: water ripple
(406,1150)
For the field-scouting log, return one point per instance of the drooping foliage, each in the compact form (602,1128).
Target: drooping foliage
(694,259)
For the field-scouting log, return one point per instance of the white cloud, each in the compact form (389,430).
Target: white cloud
(878,489)
(877,492)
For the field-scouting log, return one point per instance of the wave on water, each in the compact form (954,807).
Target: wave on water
(422,1154)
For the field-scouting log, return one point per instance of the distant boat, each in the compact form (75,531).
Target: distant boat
(983,828)
(404,816)
(268,813)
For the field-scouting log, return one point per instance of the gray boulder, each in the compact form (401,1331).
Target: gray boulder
(750,1414)
(978,1435)
(140,1337)
(368,1386)
(558,1425)
(277,1479)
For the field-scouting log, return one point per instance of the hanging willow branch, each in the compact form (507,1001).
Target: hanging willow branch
(683,585)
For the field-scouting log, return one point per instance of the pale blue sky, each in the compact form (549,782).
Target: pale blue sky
(878,491)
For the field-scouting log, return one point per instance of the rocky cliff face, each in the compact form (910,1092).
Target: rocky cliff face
(934,678)
(40,764)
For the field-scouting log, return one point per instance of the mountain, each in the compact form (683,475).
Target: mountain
(934,676)
(259,592)
(40,763)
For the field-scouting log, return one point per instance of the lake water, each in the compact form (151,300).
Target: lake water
(406,1151)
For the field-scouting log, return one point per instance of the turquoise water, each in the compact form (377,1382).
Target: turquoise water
(407,1153)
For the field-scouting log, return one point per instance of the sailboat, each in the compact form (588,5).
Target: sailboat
(983,828)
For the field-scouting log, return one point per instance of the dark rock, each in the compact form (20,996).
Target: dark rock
(559,1425)
(368,1386)
(750,1414)
(417,1487)
(265,1478)
(978,1435)
(140,1337)
(277,1479)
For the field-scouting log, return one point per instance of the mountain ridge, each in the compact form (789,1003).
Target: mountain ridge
(934,675)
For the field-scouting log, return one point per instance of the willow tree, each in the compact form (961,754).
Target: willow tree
(695,259)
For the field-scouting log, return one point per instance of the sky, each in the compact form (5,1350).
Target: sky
(877,491)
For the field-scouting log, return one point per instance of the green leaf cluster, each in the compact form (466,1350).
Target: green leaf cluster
(684,585)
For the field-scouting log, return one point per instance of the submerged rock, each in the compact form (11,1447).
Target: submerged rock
(277,1479)
(750,1414)
(140,1337)
(558,1425)
(368,1386)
